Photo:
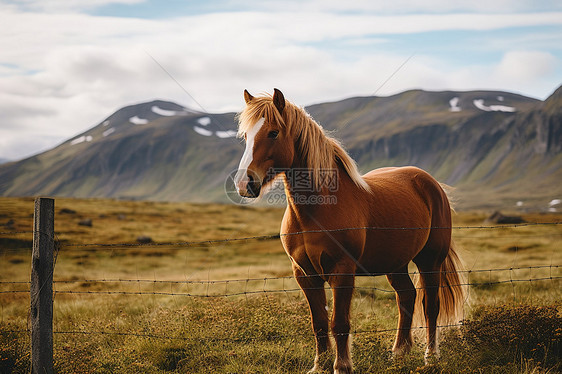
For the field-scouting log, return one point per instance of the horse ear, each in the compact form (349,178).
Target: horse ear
(278,100)
(247,97)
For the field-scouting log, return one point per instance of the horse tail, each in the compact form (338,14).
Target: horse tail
(452,292)
(449,192)
(452,289)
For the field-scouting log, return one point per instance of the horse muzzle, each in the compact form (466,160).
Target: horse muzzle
(247,185)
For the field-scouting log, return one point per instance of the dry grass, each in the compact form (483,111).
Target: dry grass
(260,330)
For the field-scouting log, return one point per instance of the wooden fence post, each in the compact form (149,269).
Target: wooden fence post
(41,289)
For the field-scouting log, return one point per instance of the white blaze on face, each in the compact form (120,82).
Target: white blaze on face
(241,179)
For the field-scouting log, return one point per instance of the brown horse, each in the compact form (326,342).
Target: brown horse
(349,224)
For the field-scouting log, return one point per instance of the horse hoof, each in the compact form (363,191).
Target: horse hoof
(343,370)
(431,358)
(315,370)
(398,353)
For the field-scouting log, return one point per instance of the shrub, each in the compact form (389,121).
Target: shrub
(504,336)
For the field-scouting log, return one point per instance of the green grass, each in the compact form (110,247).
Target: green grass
(261,325)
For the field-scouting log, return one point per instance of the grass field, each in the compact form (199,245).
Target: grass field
(183,305)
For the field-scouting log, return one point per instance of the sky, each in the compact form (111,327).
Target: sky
(66,65)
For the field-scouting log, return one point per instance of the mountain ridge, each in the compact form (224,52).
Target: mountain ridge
(159,150)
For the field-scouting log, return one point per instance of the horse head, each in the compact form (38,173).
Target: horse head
(269,147)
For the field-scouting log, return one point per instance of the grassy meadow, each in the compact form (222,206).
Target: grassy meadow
(184,304)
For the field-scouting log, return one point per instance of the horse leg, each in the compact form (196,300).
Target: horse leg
(313,288)
(431,279)
(406,299)
(342,289)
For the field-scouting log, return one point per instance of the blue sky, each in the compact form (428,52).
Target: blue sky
(65,65)
(164,9)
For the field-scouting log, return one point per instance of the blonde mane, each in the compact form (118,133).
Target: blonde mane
(318,150)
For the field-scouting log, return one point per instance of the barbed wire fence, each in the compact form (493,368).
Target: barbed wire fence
(224,288)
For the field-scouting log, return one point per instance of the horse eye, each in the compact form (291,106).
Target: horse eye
(273,134)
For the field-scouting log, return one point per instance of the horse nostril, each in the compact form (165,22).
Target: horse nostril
(253,187)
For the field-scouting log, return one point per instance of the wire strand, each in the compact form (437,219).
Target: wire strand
(277,236)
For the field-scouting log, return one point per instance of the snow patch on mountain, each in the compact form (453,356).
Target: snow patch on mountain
(226,134)
(454,103)
(202,131)
(163,112)
(108,131)
(81,139)
(479,103)
(138,121)
(204,121)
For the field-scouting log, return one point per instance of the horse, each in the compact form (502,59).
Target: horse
(339,224)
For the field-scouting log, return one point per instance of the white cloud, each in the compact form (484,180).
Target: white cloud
(63,73)
(408,6)
(526,66)
(356,6)
(67,5)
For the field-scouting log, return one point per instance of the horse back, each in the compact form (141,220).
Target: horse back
(406,186)
(407,204)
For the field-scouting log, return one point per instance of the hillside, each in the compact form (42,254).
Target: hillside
(156,150)
(491,145)
(497,148)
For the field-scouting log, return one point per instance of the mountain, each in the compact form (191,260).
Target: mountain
(156,150)
(497,148)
